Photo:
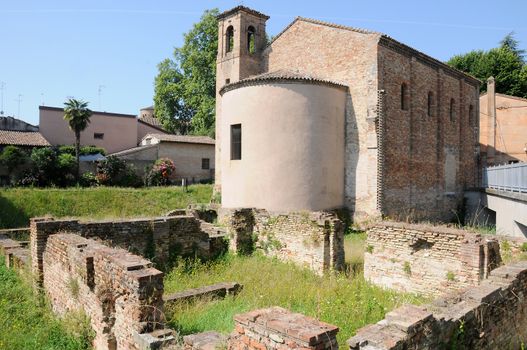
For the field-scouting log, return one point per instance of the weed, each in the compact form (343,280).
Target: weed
(407,268)
(523,247)
(450,276)
(348,301)
(369,248)
(73,287)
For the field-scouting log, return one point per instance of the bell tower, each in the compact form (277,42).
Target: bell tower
(241,41)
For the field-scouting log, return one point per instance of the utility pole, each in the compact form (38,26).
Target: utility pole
(2,87)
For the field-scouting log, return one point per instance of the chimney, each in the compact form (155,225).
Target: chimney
(491,115)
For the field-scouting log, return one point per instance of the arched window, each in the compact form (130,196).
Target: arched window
(229,39)
(452,110)
(430,104)
(404,97)
(251,43)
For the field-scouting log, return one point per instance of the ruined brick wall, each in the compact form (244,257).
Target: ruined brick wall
(490,316)
(278,328)
(310,239)
(427,259)
(160,239)
(120,292)
(429,154)
(349,57)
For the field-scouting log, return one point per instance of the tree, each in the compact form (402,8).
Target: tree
(77,114)
(185,87)
(505,63)
(12,157)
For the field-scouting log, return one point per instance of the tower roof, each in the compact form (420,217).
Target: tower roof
(244,9)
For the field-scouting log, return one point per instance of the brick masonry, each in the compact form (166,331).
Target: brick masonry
(310,239)
(427,259)
(426,159)
(160,239)
(278,328)
(490,316)
(119,291)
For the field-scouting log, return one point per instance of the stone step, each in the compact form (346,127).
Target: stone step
(204,341)
(219,290)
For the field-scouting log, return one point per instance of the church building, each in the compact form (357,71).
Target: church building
(327,116)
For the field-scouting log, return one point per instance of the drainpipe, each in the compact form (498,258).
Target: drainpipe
(491,115)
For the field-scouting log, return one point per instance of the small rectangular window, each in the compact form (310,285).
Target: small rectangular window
(227,81)
(205,163)
(98,135)
(236,141)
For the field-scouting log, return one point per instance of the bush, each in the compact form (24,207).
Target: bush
(12,157)
(114,171)
(88,179)
(84,151)
(160,173)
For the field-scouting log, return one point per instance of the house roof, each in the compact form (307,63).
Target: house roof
(506,96)
(58,109)
(132,150)
(387,41)
(152,122)
(22,138)
(282,75)
(182,138)
(241,8)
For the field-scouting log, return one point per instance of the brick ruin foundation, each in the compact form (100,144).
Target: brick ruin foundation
(427,259)
(490,316)
(309,239)
(122,293)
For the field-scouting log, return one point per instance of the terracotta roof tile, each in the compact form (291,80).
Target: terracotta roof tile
(182,138)
(282,74)
(22,138)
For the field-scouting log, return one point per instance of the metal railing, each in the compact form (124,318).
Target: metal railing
(509,177)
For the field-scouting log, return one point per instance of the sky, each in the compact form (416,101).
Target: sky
(106,52)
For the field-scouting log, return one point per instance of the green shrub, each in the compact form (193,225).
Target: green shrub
(114,171)
(88,179)
(450,276)
(84,151)
(12,157)
(523,247)
(369,248)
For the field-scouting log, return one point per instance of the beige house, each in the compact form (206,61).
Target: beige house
(503,127)
(193,156)
(329,116)
(112,131)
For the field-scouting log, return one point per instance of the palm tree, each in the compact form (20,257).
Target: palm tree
(77,114)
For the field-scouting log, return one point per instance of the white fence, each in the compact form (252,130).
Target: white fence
(510,177)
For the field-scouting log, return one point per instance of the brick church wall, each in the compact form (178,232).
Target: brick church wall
(429,158)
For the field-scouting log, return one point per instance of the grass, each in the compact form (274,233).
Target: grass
(18,205)
(347,301)
(27,323)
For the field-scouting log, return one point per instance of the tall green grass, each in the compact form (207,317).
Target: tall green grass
(27,323)
(18,205)
(349,302)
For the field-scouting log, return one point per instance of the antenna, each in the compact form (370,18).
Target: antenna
(42,99)
(19,99)
(2,87)
(99,92)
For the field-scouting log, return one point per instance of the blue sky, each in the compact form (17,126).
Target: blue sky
(51,49)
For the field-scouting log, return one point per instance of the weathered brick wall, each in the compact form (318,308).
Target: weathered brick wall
(278,328)
(160,239)
(120,292)
(429,159)
(490,316)
(427,259)
(309,239)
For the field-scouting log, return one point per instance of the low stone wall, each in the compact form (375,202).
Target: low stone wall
(309,239)
(19,234)
(120,292)
(427,259)
(160,239)
(490,316)
(278,328)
